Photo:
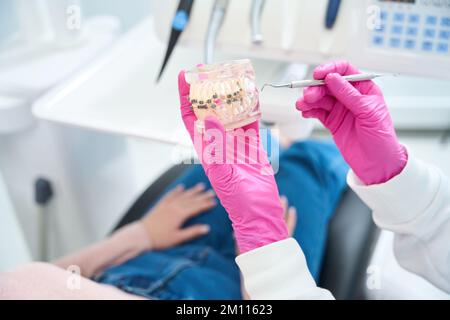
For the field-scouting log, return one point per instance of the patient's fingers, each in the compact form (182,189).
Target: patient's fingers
(189,193)
(291,220)
(192,201)
(174,192)
(195,208)
(206,195)
(200,202)
(284,203)
(290,215)
(192,232)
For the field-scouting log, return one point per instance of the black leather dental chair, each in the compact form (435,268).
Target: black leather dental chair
(351,236)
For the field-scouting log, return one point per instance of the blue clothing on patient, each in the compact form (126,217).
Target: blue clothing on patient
(311,175)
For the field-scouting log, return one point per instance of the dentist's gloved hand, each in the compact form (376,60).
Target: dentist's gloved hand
(359,121)
(247,189)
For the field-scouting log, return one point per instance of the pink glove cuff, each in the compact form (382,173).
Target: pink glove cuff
(390,169)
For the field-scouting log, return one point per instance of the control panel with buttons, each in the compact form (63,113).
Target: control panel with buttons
(421,26)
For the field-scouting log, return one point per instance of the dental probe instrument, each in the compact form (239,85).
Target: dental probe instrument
(315,83)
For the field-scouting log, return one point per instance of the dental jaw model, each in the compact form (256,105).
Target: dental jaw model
(226,91)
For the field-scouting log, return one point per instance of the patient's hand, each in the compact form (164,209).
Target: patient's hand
(290,216)
(164,223)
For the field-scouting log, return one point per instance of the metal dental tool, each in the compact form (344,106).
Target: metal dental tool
(314,83)
(255,20)
(215,23)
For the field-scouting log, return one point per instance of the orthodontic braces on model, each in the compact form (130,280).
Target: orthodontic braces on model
(226,91)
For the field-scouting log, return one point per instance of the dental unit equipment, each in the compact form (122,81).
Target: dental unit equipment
(332,13)
(255,20)
(179,23)
(315,83)
(215,23)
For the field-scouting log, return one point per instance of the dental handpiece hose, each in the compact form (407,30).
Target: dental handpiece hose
(215,23)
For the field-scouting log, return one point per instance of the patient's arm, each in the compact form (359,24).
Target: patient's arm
(121,246)
(39,280)
(161,228)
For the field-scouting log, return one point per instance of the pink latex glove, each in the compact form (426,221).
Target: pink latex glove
(244,183)
(359,121)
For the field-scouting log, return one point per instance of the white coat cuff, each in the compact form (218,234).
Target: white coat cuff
(401,199)
(279,271)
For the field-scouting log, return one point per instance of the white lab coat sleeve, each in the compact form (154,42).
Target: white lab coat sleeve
(279,271)
(415,205)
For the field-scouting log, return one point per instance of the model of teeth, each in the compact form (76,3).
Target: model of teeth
(231,97)
(223,99)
